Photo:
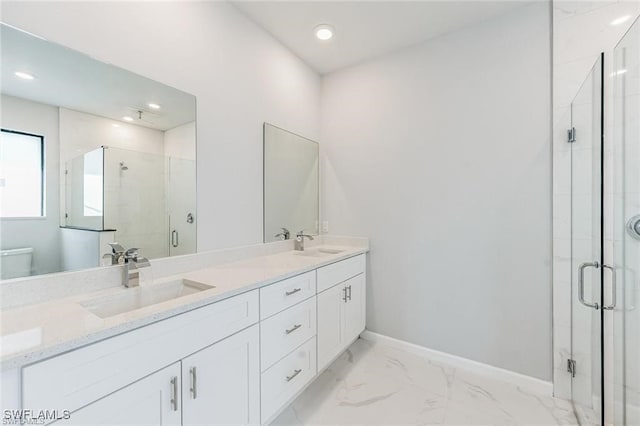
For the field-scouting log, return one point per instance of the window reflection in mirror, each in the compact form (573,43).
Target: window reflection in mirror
(91,154)
(290,184)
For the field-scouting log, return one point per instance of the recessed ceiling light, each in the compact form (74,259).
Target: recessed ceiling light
(153,106)
(620,20)
(24,75)
(127,118)
(115,125)
(323,32)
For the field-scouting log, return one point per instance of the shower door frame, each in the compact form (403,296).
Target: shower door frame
(599,257)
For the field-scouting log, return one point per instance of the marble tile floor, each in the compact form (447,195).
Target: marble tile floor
(375,384)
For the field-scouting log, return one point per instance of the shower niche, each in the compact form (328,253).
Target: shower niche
(138,199)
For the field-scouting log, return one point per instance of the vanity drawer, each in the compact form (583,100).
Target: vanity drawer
(286,378)
(338,272)
(287,330)
(79,377)
(279,296)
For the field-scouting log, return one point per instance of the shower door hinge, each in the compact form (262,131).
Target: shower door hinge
(571,135)
(571,367)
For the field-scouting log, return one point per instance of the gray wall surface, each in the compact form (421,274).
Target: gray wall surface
(441,155)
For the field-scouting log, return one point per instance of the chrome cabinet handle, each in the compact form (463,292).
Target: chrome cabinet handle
(174,238)
(294,291)
(174,393)
(194,382)
(349,296)
(344,296)
(295,373)
(581,269)
(292,329)
(613,288)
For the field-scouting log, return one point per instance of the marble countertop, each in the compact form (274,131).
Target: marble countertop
(36,332)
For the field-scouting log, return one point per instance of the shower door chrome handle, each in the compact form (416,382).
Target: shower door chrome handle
(613,288)
(581,269)
(174,238)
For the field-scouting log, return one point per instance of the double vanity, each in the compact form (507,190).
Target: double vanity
(233,343)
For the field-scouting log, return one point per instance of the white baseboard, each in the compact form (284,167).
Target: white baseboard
(528,383)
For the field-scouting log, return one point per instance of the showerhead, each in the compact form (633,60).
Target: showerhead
(123,167)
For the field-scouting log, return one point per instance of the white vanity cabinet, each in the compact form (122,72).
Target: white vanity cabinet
(151,401)
(221,383)
(240,360)
(341,308)
(82,378)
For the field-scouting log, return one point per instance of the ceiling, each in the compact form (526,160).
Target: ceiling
(364,29)
(76,81)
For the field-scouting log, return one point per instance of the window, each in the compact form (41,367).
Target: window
(21,174)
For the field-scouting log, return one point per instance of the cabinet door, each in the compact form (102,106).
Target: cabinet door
(330,329)
(154,400)
(354,309)
(221,383)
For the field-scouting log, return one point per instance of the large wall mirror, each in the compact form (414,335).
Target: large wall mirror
(89,154)
(291,195)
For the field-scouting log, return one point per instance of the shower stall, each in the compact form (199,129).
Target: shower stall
(626,229)
(604,360)
(147,200)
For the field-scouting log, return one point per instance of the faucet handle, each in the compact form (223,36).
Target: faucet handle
(117,248)
(284,234)
(132,253)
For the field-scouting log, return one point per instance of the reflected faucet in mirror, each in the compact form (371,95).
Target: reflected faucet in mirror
(285,234)
(116,255)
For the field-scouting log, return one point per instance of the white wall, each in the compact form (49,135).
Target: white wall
(240,75)
(441,154)
(41,234)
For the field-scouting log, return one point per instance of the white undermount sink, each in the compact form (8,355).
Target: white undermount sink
(319,252)
(131,299)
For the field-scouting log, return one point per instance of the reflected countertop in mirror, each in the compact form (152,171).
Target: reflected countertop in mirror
(92,154)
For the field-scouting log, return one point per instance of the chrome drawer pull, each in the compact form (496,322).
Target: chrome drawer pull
(344,297)
(292,329)
(349,295)
(194,382)
(295,373)
(174,393)
(294,291)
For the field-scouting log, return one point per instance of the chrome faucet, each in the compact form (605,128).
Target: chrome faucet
(116,255)
(299,241)
(285,234)
(132,263)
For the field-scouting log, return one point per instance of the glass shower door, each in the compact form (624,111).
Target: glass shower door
(627,228)
(585,138)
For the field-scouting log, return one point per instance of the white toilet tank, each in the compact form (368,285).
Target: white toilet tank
(15,263)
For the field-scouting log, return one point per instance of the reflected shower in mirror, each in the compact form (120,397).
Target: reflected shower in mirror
(290,184)
(89,154)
